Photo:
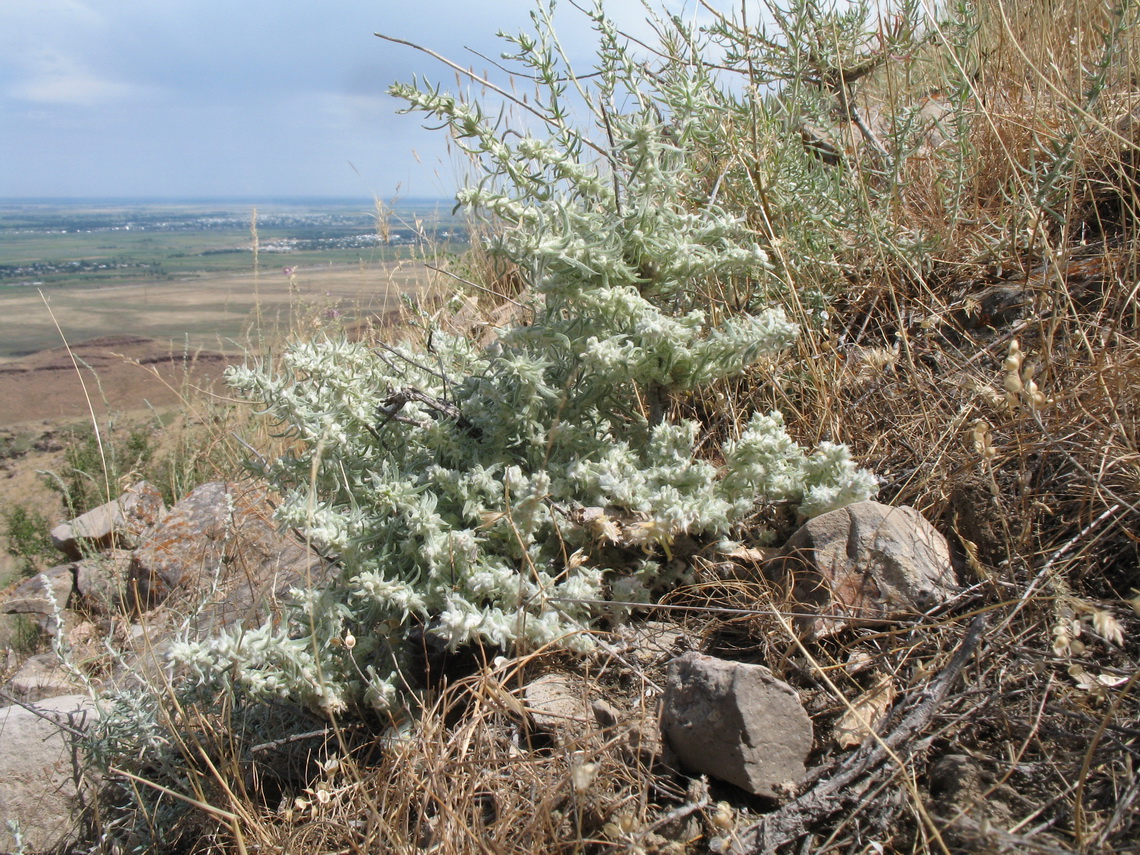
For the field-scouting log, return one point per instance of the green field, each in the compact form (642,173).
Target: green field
(91,244)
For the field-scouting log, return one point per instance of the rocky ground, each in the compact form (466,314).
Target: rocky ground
(671,737)
(45,399)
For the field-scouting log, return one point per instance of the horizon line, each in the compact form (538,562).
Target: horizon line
(242,199)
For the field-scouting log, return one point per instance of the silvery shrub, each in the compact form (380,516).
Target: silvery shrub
(509,493)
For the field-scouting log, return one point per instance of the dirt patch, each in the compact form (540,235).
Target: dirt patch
(115,373)
(215,312)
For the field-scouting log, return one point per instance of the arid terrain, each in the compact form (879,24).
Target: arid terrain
(142,352)
(116,373)
(225,312)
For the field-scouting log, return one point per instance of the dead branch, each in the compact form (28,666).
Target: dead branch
(390,409)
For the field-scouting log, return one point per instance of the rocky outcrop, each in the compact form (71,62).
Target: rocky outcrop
(217,556)
(864,563)
(40,771)
(220,536)
(736,722)
(121,523)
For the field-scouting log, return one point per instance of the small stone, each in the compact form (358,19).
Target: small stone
(557,704)
(736,722)
(865,562)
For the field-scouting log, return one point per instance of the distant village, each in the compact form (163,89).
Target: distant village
(304,230)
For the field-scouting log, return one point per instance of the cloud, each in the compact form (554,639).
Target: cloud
(76,87)
(52,56)
(204,97)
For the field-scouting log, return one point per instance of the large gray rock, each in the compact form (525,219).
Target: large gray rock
(221,538)
(866,562)
(121,523)
(736,722)
(39,769)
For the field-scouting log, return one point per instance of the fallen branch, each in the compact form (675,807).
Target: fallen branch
(391,406)
(858,773)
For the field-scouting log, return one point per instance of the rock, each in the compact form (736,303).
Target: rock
(31,597)
(557,704)
(41,676)
(736,722)
(101,582)
(865,562)
(121,523)
(220,538)
(38,772)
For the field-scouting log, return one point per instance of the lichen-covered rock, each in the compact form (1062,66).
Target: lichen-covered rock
(864,563)
(121,523)
(38,772)
(220,538)
(736,722)
(185,547)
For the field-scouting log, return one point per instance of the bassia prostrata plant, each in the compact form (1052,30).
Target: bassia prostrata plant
(509,492)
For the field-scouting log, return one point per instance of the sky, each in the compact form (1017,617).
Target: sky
(240,98)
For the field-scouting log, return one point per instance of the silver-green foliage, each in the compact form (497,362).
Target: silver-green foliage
(452,481)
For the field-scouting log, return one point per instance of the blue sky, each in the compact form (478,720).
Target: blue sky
(257,98)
